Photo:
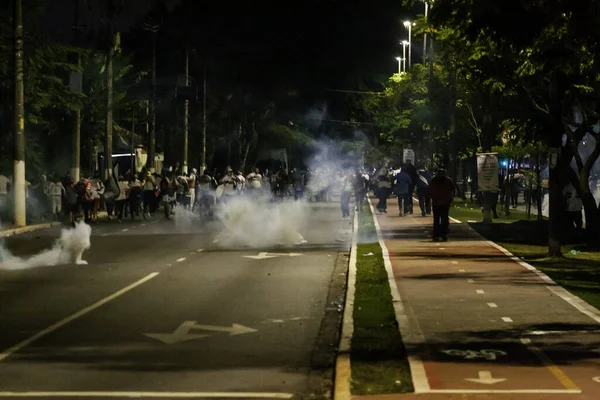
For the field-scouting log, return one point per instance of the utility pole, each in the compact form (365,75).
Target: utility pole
(109,107)
(153,28)
(76,86)
(19,188)
(186,107)
(425,35)
(203,150)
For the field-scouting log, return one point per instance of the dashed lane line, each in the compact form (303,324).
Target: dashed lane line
(479,291)
(181,259)
(507,319)
(492,305)
(470,281)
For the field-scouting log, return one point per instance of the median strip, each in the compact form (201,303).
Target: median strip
(378,358)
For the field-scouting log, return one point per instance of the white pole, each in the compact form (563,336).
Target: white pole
(409,45)
(425,36)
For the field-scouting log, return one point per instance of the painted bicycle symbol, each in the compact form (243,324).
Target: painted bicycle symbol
(487,354)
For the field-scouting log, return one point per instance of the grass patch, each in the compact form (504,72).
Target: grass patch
(471,211)
(377,353)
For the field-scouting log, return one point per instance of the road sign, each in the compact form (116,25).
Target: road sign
(264,255)
(485,377)
(487,172)
(182,333)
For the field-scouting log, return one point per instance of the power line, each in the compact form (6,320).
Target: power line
(352,91)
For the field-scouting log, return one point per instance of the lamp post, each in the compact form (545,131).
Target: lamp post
(425,34)
(399,65)
(408,25)
(404,44)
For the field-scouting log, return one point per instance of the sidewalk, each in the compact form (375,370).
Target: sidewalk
(11,230)
(478,324)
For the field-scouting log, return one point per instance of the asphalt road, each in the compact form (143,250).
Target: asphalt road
(165,309)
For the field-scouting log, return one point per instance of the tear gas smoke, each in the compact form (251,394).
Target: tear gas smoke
(68,249)
(255,221)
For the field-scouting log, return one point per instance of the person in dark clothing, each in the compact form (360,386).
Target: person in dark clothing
(423,179)
(441,190)
(361,186)
(411,170)
(402,186)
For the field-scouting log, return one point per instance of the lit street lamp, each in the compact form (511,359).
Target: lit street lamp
(408,25)
(404,44)
(399,65)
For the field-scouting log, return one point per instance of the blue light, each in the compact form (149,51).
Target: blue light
(504,163)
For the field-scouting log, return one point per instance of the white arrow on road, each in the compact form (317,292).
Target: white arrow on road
(485,377)
(181,334)
(235,329)
(263,255)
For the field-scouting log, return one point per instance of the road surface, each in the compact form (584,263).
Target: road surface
(163,309)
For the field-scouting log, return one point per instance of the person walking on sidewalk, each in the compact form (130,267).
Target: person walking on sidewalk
(402,187)
(423,179)
(441,192)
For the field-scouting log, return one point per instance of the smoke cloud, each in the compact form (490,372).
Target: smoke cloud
(68,249)
(254,221)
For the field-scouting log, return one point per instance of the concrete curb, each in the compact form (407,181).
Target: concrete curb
(343,372)
(28,228)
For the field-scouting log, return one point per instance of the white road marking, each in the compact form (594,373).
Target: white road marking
(507,391)
(507,319)
(142,224)
(454,220)
(454,262)
(596,379)
(408,326)
(189,395)
(485,377)
(526,341)
(575,301)
(199,250)
(470,281)
(479,291)
(124,230)
(181,259)
(461,270)
(106,234)
(73,317)
(492,305)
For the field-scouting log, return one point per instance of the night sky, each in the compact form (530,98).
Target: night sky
(310,45)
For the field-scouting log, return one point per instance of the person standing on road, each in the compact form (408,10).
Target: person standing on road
(441,192)
(346,194)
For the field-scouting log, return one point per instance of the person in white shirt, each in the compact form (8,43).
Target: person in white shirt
(56,191)
(121,199)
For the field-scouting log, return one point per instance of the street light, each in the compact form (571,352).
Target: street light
(399,65)
(408,25)
(425,34)
(404,44)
